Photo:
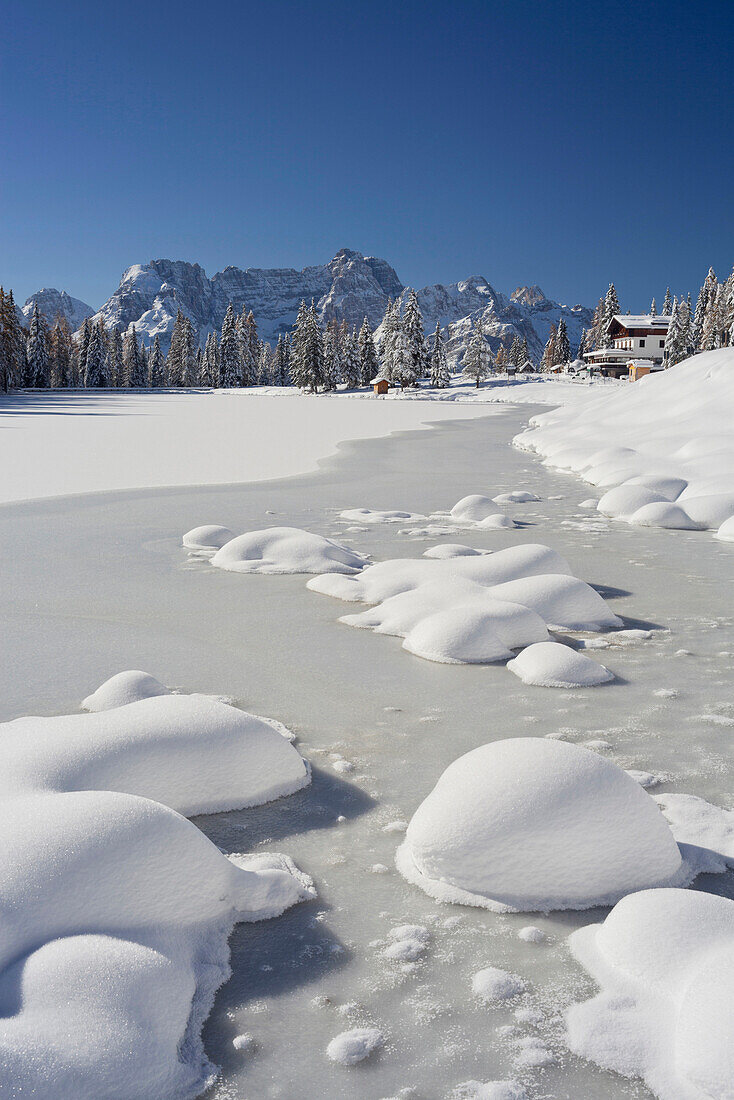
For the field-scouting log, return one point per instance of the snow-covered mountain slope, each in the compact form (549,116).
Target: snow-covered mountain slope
(526,313)
(53,303)
(350,287)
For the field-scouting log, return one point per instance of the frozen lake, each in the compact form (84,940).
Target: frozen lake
(93,585)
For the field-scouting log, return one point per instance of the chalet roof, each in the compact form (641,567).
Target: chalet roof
(644,320)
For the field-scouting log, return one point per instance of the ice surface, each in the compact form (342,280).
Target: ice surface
(551,664)
(489,1090)
(115,910)
(287,550)
(527,824)
(369,515)
(665,962)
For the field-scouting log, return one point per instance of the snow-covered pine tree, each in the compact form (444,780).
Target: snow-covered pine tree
(249,347)
(265,364)
(174,357)
(439,367)
(94,365)
(332,362)
(611,309)
(115,359)
(401,358)
(298,348)
(415,336)
(38,352)
(667,304)
(205,378)
(675,340)
(13,344)
(477,355)
(514,358)
(314,352)
(189,366)
(728,312)
(83,345)
(144,368)
(594,335)
(562,349)
(392,323)
(548,358)
(582,343)
(131,366)
(281,376)
(367,354)
(156,365)
(229,351)
(351,364)
(653,308)
(60,354)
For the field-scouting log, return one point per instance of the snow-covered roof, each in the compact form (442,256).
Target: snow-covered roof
(644,320)
(649,363)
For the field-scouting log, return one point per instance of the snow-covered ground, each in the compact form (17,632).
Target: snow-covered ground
(63,443)
(377,988)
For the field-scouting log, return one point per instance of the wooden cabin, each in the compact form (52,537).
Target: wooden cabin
(640,368)
(380,386)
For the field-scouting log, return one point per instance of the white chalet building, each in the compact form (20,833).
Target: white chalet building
(638,338)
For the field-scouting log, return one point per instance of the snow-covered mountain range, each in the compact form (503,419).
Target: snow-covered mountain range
(349,287)
(54,303)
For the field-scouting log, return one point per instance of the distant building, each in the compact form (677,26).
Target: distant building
(639,368)
(380,386)
(633,337)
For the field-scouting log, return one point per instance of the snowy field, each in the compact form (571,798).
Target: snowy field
(63,443)
(419,934)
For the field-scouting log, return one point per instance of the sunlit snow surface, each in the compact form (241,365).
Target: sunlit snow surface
(123,593)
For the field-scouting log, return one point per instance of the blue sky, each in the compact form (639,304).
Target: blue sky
(560,143)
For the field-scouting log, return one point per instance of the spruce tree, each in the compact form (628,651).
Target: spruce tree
(667,304)
(440,375)
(281,368)
(392,323)
(115,359)
(156,366)
(131,365)
(249,347)
(611,309)
(582,343)
(144,364)
(548,358)
(653,308)
(94,364)
(332,362)
(562,348)
(265,366)
(314,352)
(229,351)
(83,345)
(13,344)
(477,355)
(415,336)
(38,352)
(187,352)
(60,354)
(174,359)
(298,348)
(676,340)
(351,363)
(367,354)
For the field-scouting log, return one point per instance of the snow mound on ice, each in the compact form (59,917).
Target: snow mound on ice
(551,664)
(517,496)
(473,508)
(492,985)
(354,1046)
(665,962)
(124,688)
(667,438)
(407,942)
(287,550)
(489,1090)
(209,537)
(474,633)
(115,910)
(471,608)
(726,531)
(369,515)
(190,752)
(497,521)
(453,550)
(529,824)
(663,514)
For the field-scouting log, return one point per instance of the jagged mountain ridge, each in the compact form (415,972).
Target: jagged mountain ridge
(349,287)
(54,303)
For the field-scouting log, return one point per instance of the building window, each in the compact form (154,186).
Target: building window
(642,343)
(662,343)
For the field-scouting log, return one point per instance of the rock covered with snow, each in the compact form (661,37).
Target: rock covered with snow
(726,531)
(54,303)
(665,962)
(287,550)
(453,550)
(665,439)
(475,632)
(551,664)
(115,909)
(210,536)
(492,985)
(354,1046)
(124,688)
(474,508)
(530,823)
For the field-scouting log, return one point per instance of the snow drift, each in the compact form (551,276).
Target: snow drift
(550,664)
(665,962)
(114,909)
(529,823)
(469,607)
(287,550)
(662,446)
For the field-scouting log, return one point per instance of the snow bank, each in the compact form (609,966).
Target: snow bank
(551,664)
(209,537)
(529,823)
(124,688)
(454,550)
(665,962)
(726,531)
(497,521)
(354,1046)
(664,439)
(473,508)
(287,550)
(114,909)
(470,608)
